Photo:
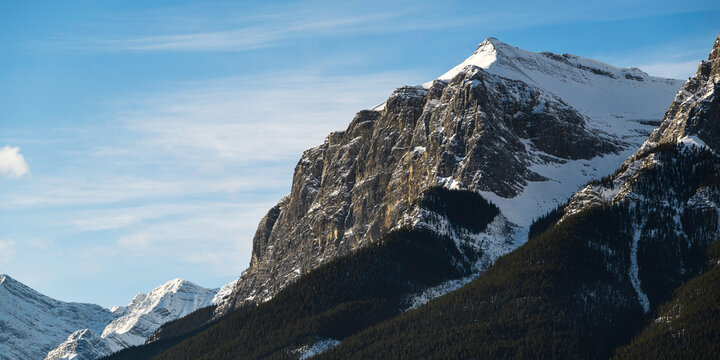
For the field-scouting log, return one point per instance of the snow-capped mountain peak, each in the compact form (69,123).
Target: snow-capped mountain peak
(31,323)
(146,312)
(137,321)
(607,95)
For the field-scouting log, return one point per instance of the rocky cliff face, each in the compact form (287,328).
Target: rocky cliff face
(524,129)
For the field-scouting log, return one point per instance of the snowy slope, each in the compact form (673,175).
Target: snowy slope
(31,324)
(623,103)
(609,95)
(137,321)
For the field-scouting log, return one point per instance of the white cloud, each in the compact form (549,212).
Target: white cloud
(12,163)
(112,189)
(237,33)
(117,218)
(235,28)
(7,250)
(204,259)
(137,241)
(41,244)
(253,119)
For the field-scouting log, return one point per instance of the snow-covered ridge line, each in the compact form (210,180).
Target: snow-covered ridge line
(137,321)
(492,50)
(31,324)
(602,92)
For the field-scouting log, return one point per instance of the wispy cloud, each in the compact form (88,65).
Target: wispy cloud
(244,38)
(40,244)
(676,70)
(12,163)
(236,33)
(7,250)
(122,217)
(137,241)
(117,188)
(253,119)
(678,58)
(219,236)
(228,28)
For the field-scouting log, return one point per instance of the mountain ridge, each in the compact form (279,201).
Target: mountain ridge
(136,322)
(35,326)
(33,323)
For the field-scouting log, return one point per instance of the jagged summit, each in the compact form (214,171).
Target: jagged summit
(7,278)
(176,285)
(493,54)
(601,92)
(137,321)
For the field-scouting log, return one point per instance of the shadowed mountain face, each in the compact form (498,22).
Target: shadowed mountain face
(524,129)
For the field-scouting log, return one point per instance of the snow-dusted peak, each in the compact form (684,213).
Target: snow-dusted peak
(146,312)
(692,116)
(138,320)
(509,61)
(607,95)
(7,281)
(31,324)
(484,56)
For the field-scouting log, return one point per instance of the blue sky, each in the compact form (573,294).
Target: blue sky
(142,141)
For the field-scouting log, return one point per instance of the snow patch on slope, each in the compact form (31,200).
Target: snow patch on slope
(306,352)
(428,294)
(635,271)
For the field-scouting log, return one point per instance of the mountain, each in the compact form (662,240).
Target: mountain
(578,286)
(627,270)
(135,323)
(525,130)
(31,324)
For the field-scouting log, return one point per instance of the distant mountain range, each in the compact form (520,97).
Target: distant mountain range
(35,326)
